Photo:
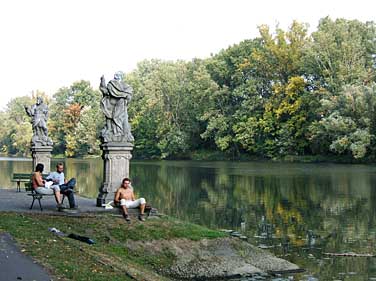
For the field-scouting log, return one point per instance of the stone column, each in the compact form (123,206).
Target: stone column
(42,154)
(116,158)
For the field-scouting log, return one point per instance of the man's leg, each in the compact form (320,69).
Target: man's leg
(71,183)
(68,191)
(125,210)
(123,205)
(142,209)
(70,194)
(58,197)
(56,190)
(142,205)
(139,203)
(50,191)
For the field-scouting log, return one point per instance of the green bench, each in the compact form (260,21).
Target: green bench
(19,177)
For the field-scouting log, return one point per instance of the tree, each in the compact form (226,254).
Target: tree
(342,52)
(349,121)
(239,86)
(264,104)
(76,120)
(287,101)
(168,98)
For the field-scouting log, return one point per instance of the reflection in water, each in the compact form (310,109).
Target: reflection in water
(299,211)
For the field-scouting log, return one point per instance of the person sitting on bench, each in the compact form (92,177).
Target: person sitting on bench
(39,185)
(60,183)
(125,196)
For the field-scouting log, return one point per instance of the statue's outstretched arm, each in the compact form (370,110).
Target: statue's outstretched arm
(102,86)
(28,110)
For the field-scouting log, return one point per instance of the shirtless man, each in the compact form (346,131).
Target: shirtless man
(125,196)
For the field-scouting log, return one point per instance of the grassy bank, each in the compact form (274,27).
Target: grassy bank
(110,258)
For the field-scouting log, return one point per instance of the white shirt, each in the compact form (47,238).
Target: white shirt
(55,176)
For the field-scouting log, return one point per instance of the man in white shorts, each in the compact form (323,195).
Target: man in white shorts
(125,196)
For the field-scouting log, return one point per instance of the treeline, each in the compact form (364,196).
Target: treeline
(283,93)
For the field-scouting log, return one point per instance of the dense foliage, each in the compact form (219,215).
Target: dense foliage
(283,93)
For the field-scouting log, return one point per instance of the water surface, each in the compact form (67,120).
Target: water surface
(298,211)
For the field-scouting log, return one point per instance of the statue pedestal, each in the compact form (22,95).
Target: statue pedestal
(42,154)
(116,157)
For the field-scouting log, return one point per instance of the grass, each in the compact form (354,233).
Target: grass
(109,258)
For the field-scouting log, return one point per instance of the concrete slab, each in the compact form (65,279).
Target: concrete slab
(13,201)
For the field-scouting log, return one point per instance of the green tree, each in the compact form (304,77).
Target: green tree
(264,105)
(339,57)
(349,121)
(341,52)
(288,104)
(76,120)
(239,87)
(168,98)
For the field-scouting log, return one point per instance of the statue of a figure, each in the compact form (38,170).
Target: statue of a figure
(39,114)
(114,104)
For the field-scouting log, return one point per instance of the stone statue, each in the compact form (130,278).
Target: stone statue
(114,104)
(39,115)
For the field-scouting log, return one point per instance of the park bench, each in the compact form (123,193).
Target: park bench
(19,177)
(35,195)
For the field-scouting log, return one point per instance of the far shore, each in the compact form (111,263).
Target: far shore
(218,157)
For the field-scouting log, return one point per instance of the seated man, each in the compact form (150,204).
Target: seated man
(125,196)
(60,183)
(39,185)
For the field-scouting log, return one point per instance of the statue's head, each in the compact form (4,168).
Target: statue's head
(39,100)
(118,75)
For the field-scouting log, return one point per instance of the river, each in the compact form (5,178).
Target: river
(298,211)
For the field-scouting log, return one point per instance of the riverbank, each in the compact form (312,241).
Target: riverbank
(214,156)
(220,156)
(162,248)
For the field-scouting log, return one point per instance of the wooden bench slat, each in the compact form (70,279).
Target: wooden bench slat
(23,177)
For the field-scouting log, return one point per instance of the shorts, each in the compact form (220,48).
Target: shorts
(44,191)
(132,204)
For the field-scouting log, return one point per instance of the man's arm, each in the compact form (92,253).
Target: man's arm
(62,175)
(117,196)
(51,177)
(133,199)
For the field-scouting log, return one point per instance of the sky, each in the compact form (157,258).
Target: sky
(49,44)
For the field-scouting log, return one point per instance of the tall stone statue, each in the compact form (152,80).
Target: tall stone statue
(114,104)
(39,115)
(117,139)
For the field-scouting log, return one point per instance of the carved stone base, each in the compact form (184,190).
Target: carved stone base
(42,154)
(116,157)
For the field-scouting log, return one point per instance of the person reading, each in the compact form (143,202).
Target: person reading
(39,185)
(125,196)
(61,184)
